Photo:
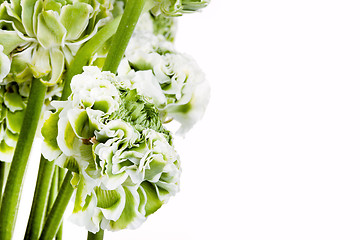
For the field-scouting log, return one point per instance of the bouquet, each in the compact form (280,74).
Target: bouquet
(98,81)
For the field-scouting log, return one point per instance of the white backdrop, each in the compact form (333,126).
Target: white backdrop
(277,154)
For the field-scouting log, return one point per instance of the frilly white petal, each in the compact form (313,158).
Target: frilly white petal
(191,112)
(146,84)
(4,64)
(89,217)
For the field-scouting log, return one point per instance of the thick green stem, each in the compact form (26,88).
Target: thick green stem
(2,177)
(56,214)
(13,188)
(123,34)
(84,54)
(41,195)
(96,236)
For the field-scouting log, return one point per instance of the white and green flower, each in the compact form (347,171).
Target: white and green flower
(158,25)
(41,37)
(177,7)
(114,140)
(171,80)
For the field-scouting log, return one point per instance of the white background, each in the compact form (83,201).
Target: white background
(277,154)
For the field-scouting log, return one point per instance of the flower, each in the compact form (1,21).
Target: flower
(41,37)
(112,138)
(158,25)
(177,7)
(171,80)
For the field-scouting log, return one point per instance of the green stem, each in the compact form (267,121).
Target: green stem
(61,173)
(41,195)
(2,177)
(13,188)
(84,54)
(59,232)
(123,34)
(56,214)
(54,190)
(96,236)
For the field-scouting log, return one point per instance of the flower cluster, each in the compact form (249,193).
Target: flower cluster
(171,80)
(114,140)
(110,133)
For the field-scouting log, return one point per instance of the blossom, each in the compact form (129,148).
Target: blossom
(112,138)
(158,25)
(177,7)
(41,37)
(171,80)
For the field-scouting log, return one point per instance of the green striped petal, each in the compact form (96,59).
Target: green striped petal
(4,64)
(77,13)
(50,31)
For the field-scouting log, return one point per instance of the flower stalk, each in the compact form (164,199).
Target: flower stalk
(54,219)
(123,34)
(61,175)
(96,236)
(54,189)
(40,200)
(12,193)
(2,177)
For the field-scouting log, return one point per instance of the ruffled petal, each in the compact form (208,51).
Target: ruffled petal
(4,64)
